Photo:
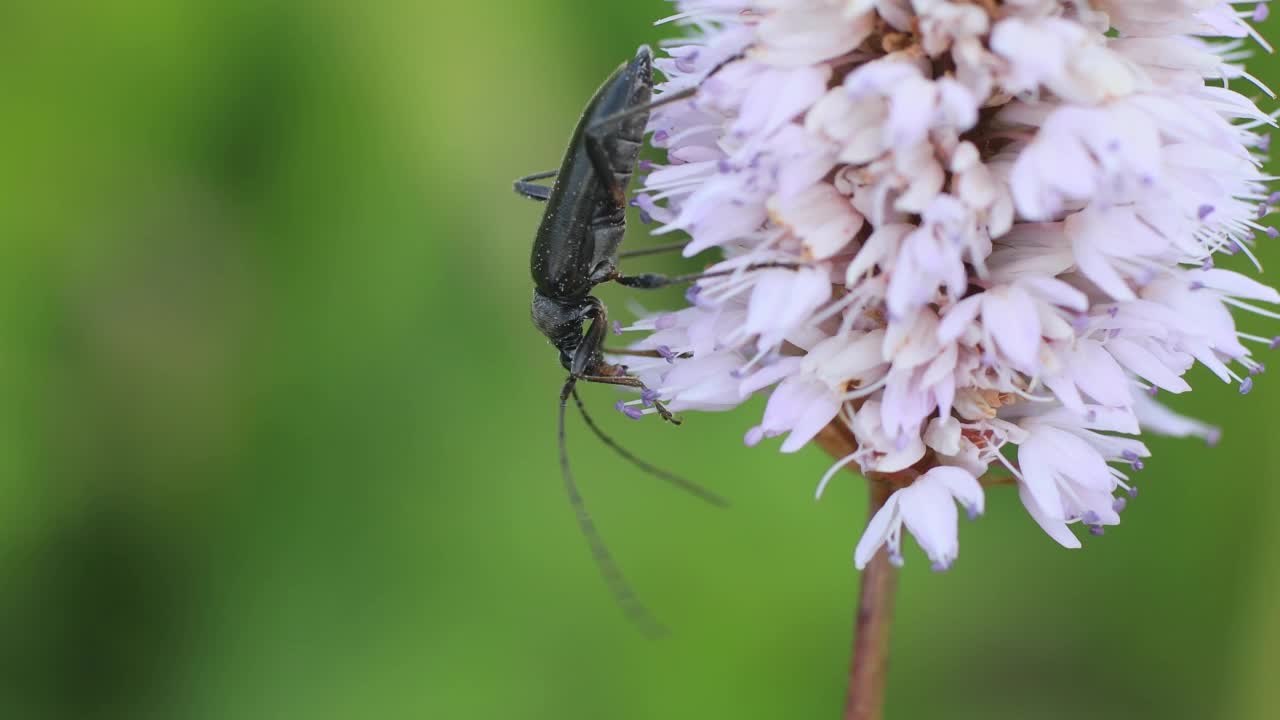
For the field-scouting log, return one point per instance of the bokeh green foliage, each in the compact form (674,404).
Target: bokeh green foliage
(277,439)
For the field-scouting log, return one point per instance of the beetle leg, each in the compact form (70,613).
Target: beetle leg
(635,382)
(652,250)
(586,356)
(524,186)
(586,359)
(650,281)
(638,353)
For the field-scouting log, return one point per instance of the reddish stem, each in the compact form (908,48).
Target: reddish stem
(870,664)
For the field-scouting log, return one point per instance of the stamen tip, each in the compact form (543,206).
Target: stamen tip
(631,412)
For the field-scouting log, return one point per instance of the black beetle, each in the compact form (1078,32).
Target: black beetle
(576,249)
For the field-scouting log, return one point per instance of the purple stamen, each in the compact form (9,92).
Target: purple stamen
(1119,504)
(1153,391)
(1246,385)
(1275,343)
(645,165)
(1203,211)
(1096,530)
(1197,285)
(1137,465)
(1090,518)
(1263,209)
(1264,143)
(1207,264)
(631,412)
(1133,492)
(1129,455)
(1257,369)
(1273,198)
(972,512)
(661,136)
(617,328)
(1260,12)
(1114,310)
(1272,232)
(648,396)
(666,353)
(645,217)
(723,166)
(940,566)
(1213,437)
(691,295)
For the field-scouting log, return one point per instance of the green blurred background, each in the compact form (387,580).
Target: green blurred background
(277,438)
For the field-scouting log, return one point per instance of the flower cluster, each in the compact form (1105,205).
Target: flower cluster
(987,232)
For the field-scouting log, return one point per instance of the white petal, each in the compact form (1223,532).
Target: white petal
(1099,375)
(1035,459)
(930,514)
(1055,528)
(963,486)
(815,417)
(1088,232)
(943,435)
(959,318)
(1235,284)
(1009,314)
(882,523)
(1146,365)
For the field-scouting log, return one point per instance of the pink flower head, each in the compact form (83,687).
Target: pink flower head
(989,236)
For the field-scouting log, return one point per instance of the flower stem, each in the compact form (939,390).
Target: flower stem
(870,664)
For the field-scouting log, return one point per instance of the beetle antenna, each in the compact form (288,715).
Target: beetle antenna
(623,594)
(688,486)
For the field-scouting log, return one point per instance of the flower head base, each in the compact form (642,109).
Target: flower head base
(1000,222)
